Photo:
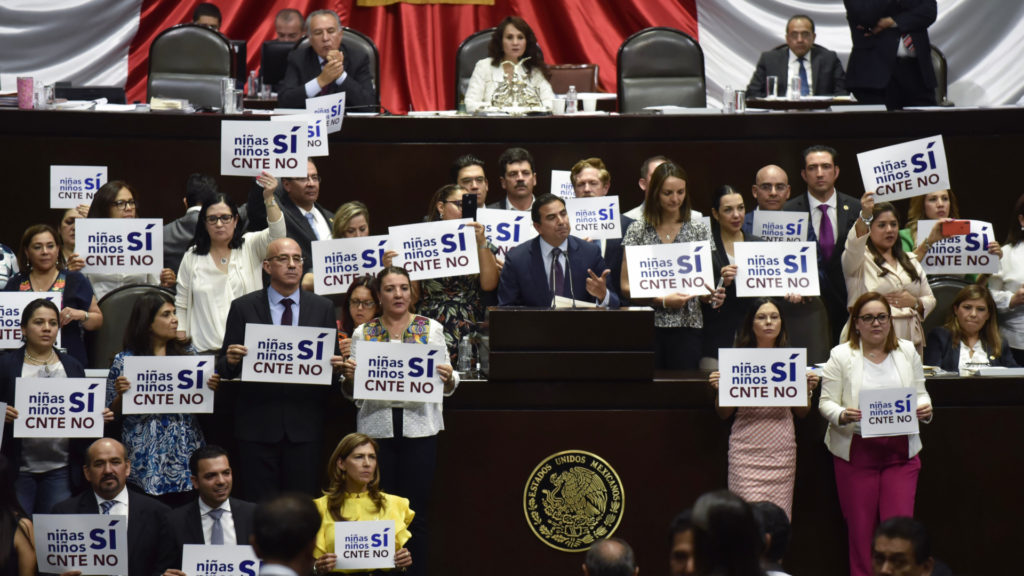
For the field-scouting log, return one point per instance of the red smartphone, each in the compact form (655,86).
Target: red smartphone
(956,228)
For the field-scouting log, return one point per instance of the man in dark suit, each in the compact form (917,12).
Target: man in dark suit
(215,517)
(770,190)
(518,179)
(533,268)
(822,71)
(325,67)
(832,215)
(106,469)
(590,178)
(279,427)
(284,536)
(891,59)
(178,234)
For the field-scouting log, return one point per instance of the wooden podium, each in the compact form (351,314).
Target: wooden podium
(534,344)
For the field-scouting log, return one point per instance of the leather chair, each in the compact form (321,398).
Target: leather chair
(945,289)
(582,76)
(808,327)
(274,61)
(355,41)
(188,61)
(116,307)
(660,67)
(472,50)
(941,77)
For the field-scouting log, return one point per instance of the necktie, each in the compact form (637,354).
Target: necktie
(312,224)
(323,91)
(557,275)
(217,533)
(106,506)
(286,316)
(908,42)
(805,89)
(826,237)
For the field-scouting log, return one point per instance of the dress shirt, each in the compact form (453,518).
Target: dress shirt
(277,309)
(313,87)
(276,570)
(972,357)
(227,522)
(794,72)
(1004,285)
(323,229)
(833,215)
(120,507)
(545,254)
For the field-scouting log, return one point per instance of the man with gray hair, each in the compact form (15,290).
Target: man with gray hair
(325,67)
(610,557)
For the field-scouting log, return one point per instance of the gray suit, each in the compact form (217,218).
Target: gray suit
(827,75)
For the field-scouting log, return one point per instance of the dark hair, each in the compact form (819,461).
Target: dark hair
(540,202)
(199,188)
(61,260)
(11,511)
(441,195)
(285,526)
(26,240)
(909,529)
(348,324)
(683,522)
(512,156)
(34,305)
(202,238)
(819,148)
(536,58)
(205,453)
(721,192)
(1016,228)
(287,14)
(206,9)
(773,521)
(799,17)
(989,333)
(890,340)
(390,270)
(464,161)
(138,337)
(897,248)
(610,557)
(652,207)
(645,167)
(726,537)
(745,337)
(103,200)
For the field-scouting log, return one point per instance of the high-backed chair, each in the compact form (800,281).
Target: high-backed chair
(116,306)
(945,289)
(582,76)
(274,61)
(188,61)
(472,50)
(941,77)
(808,327)
(355,41)
(660,67)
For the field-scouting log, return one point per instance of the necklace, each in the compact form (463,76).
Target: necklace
(42,361)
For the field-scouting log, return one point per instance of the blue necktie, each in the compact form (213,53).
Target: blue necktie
(217,533)
(805,89)
(312,224)
(106,506)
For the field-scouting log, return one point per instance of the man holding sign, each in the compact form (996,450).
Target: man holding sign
(279,427)
(590,179)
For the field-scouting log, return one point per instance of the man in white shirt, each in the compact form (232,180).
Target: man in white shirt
(818,68)
(770,190)
(518,179)
(284,535)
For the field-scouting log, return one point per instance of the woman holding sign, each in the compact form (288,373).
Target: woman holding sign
(874,261)
(970,339)
(362,304)
(762,442)
(354,494)
(876,477)
(159,445)
(939,205)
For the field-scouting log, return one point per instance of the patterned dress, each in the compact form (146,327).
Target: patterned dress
(762,456)
(454,302)
(159,445)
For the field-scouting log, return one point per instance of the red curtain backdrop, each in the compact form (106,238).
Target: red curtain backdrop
(417,43)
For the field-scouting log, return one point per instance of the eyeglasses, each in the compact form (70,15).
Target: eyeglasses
(124,204)
(223,219)
(362,303)
(869,319)
(768,186)
(456,203)
(314,178)
(285,258)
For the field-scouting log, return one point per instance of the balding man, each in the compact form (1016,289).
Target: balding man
(770,189)
(278,427)
(610,557)
(288,25)
(819,69)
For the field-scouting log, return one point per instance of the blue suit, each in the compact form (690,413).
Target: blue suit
(524,278)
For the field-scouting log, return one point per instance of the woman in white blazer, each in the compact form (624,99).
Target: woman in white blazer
(876,477)
(512,45)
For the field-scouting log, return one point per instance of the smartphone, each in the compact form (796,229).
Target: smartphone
(469,206)
(956,228)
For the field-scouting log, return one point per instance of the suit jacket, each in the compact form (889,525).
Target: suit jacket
(524,279)
(940,351)
(296,224)
(186,525)
(267,412)
(503,205)
(304,65)
(827,75)
(873,58)
(613,257)
(149,544)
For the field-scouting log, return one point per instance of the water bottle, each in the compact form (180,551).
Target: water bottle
(729,100)
(570,100)
(465,360)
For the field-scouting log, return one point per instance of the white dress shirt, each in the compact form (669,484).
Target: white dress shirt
(120,507)
(323,229)
(546,251)
(227,522)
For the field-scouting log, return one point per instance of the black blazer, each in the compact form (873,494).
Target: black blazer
(721,324)
(264,411)
(827,75)
(304,65)
(10,370)
(524,281)
(940,351)
(873,58)
(149,543)
(186,526)
(613,251)
(298,227)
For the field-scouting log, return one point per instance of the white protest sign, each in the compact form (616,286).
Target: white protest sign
(168,385)
(120,245)
(663,269)
(961,254)
(888,412)
(561,184)
(778,226)
(3,410)
(506,229)
(595,217)
(364,545)
(338,263)
(219,560)
(74,185)
(250,147)
(436,249)
(12,305)
(316,131)
(762,377)
(776,268)
(398,372)
(905,170)
(89,543)
(288,354)
(331,108)
(59,407)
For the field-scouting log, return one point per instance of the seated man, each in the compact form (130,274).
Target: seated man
(818,68)
(325,67)
(533,268)
(288,25)
(207,14)
(901,547)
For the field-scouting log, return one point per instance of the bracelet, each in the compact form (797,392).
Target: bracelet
(867,221)
(86,316)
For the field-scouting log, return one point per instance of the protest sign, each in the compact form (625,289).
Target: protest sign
(120,245)
(316,131)
(59,407)
(436,249)
(888,412)
(663,269)
(88,543)
(338,263)
(595,217)
(561,184)
(778,226)
(168,385)
(776,268)
(12,306)
(762,377)
(219,560)
(961,254)
(506,229)
(288,354)
(74,185)
(398,372)
(905,170)
(331,107)
(364,545)
(248,148)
